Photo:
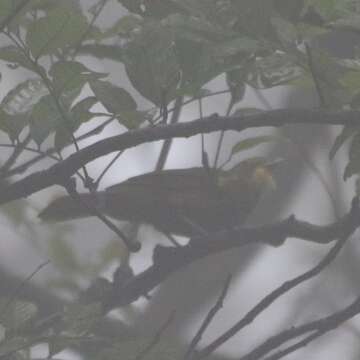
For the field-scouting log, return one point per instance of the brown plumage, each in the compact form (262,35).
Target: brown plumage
(178,201)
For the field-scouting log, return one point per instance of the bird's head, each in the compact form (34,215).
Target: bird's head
(256,172)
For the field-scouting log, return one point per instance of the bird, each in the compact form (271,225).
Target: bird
(177,201)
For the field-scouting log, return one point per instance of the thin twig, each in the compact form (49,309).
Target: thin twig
(204,156)
(322,325)
(222,134)
(29,149)
(280,354)
(274,295)
(89,28)
(108,166)
(208,319)
(49,86)
(18,149)
(315,76)
(302,152)
(132,246)
(167,143)
(20,287)
(23,167)
(186,102)
(66,120)
(42,154)
(304,157)
(196,98)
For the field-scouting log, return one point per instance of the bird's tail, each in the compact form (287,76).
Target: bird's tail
(65,208)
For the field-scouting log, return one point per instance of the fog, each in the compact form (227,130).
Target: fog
(256,270)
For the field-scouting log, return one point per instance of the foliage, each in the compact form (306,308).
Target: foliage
(169,49)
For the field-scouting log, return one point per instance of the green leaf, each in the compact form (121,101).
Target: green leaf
(12,54)
(195,29)
(355,101)
(9,346)
(12,125)
(204,50)
(350,22)
(201,63)
(350,80)
(101,51)
(274,70)
(155,9)
(151,64)
(123,27)
(346,133)
(17,313)
(71,75)
(79,114)
(290,10)
(330,75)
(330,9)
(254,18)
(44,119)
(236,82)
(240,45)
(133,6)
(7,7)
(18,103)
(353,167)
(133,119)
(115,99)
(215,12)
(24,96)
(287,32)
(252,142)
(189,56)
(60,27)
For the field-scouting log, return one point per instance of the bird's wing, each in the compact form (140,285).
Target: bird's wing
(173,179)
(166,198)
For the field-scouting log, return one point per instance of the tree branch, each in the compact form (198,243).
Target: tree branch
(274,295)
(320,326)
(208,319)
(57,173)
(167,260)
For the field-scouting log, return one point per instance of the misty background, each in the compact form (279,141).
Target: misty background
(25,242)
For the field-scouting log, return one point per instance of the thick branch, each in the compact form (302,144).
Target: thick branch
(274,295)
(170,259)
(57,173)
